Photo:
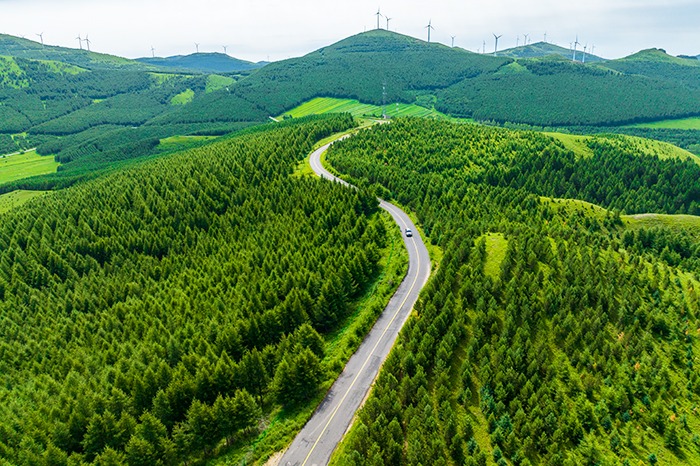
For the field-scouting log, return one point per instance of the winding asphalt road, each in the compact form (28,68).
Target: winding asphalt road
(315,443)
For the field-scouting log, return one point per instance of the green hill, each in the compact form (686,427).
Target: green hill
(88,118)
(202,63)
(152,313)
(657,64)
(545,49)
(552,332)
(356,68)
(86,99)
(548,91)
(28,49)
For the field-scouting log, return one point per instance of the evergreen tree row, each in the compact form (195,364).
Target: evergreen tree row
(151,314)
(570,340)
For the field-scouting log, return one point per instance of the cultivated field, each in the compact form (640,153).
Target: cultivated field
(18,166)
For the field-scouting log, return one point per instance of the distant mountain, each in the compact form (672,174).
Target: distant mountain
(690,57)
(203,63)
(657,64)
(545,49)
(360,67)
(549,91)
(23,48)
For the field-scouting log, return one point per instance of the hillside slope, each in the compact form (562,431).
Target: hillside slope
(379,65)
(136,307)
(359,67)
(545,49)
(551,333)
(28,49)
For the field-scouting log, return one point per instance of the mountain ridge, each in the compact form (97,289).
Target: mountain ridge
(545,49)
(28,49)
(212,62)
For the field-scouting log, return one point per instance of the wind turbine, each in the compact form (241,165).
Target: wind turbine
(87,41)
(517,41)
(225,47)
(80,42)
(41,36)
(153,52)
(527,36)
(584,53)
(197,46)
(495,49)
(379,15)
(387,22)
(545,36)
(453,41)
(429,27)
(576,43)
(593,49)
(483,47)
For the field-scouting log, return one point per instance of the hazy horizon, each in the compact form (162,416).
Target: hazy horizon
(273,30)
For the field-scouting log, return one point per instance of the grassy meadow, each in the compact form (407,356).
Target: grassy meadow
(323,105)
(18,166)
(14,199)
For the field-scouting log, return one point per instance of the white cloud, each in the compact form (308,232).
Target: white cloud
(255,30)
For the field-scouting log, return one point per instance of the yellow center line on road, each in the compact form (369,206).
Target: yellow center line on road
(408,293)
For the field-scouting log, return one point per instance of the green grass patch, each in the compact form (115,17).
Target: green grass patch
(304,169)
(216,82)
(283,425)
(14,199)
(660,149)
(574,205)
(496,247)
(646,147)
(690,223)
(161,78)
(63,68)
(19,166)
(183,98)
(323,105)
(179,140)
(513,68)
(576,144)
(683,123)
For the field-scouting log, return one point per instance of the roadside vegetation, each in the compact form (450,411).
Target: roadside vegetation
(554,332)
(175,310)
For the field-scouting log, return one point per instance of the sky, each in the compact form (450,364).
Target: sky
(258,30)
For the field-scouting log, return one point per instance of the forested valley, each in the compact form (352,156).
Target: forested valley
(550,333)
(151,314)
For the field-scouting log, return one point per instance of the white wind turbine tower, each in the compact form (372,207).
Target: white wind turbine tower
(87,42)
(379,15)
(387,22)
(80,42)
(225,47)
(527,36)
(41,36)
(495,49)
(576,43)
(429,27)
(153,52)
(453,41)
(584,53)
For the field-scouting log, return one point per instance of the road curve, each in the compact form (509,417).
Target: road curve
(315,443)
